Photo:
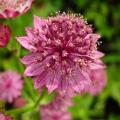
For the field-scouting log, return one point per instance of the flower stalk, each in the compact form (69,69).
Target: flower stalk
(28,107)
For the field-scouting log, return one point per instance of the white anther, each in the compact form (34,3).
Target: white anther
(45,53)
(48,41)
(64,53)
(58,42)
(47,65)
(71,45)
(78,40)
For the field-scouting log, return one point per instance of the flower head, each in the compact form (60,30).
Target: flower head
(4,35)
(10,85)
(56,110)
(13,8)
(4,117)
(63,51)
(99,80)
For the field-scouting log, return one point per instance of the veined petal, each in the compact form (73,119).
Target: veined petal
(79,80)
(34,69)
(52,81)
(63,85)
(37,68)
(96,66)
(31,58)
(97,55)
(39,81)
(93,36)
(76,84)
(24,41)
(74,55)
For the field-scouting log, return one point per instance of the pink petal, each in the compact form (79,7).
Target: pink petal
(38,22)
(74,55)
(63,85)
(25,42)
(32,58)
(53,79)
(29,32)
(51,82)
(97,54)
(34,69)
(93,36)
(79,81)
(96,66)
(37,68)
(39,81)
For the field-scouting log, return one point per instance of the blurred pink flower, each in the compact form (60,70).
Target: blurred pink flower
(99,80)
(13,8)
(63,51)
(19,102)
(56,110)
(5,33)
(10,85)
(4,117)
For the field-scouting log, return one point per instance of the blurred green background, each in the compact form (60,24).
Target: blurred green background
(104,15)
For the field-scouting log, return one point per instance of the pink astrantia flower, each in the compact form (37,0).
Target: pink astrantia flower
(99,80)
(10,85)
(4,117)
(56,110)
(63,51)
(4,35)
(13,8)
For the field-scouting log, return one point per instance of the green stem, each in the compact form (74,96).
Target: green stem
(30,87)
(39,99)
(21,110)
(29,107)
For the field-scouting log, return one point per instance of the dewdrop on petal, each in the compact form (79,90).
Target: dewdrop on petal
(63,51)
